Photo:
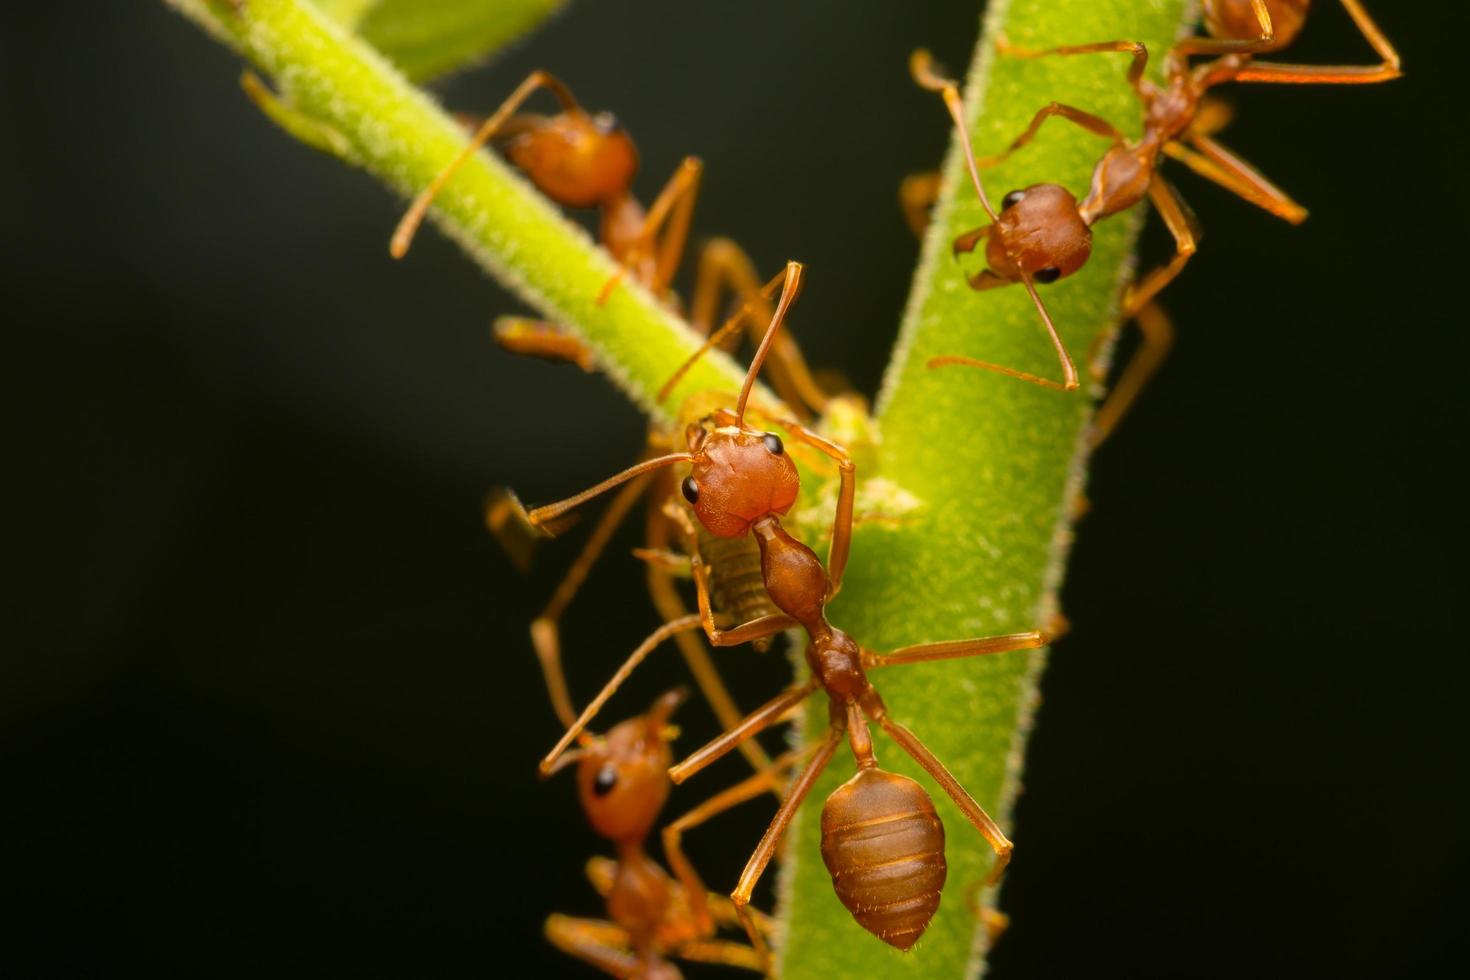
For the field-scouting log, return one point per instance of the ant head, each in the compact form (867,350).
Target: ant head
(622,777)
(737,475)
(1040,232)
(1237,19)
(577,160)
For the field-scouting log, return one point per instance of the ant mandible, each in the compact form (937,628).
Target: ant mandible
(1043,234)
(584,160)
(741,481)
(622,784)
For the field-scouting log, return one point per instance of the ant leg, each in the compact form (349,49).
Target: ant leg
(579,725)
(1093,124)
(602,872)
(1158,336)
(666,600)
(674,206)
(1387,69)
(964,245)
(602,944)
(959,360)
(537,338)
(1210,46)
(916,195)
(724,264)
(409,224)
(972,810)
(723,953)
(673,834)
(1182,226)
(546,628)
(841,544)
(800,787)
(1215,163)
(756,722)
(1136,67)
(955,649)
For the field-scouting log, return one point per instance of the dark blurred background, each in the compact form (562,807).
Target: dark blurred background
(272,708)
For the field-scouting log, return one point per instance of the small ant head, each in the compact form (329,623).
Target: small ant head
(577,160)
(737,476)
(1236,19)
(1040,232)
(622,777)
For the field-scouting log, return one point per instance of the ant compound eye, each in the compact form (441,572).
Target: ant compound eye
(773,443)
(605,122)
(607,778)
(690,490)
(1011,199)
(1048,275)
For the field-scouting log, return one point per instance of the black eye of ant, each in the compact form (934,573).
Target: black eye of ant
(690,489)
(773,443)
(1013,198)
(1048,275)
(607,778)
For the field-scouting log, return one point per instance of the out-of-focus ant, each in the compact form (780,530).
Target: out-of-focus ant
(623,783)
(585,160)
(741,481)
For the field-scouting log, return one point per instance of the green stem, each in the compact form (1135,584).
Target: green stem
(998,465)
(401,136)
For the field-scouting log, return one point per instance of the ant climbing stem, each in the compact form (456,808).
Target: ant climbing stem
(921,67)
(741,481)
(651,916)
(408,225)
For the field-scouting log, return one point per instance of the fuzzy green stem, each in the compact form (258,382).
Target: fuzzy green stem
(401,136)
(997,465)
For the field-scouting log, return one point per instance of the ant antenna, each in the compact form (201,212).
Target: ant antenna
(921,66)
(791,280)
(726,329)
(541,515)
(729,327)
(408,226)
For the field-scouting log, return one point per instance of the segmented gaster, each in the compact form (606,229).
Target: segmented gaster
(884,847)
(736,584)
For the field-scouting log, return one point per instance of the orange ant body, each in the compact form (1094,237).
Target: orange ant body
(741,481)
(1043,233)
(622,784)
(585,160)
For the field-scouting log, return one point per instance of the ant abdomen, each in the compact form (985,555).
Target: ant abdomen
(883,844)
(735,581)
(1236,19)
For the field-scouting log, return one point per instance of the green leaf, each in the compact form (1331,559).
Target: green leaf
(996,464)
(426,38)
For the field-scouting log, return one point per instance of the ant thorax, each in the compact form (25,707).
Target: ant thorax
(573,160)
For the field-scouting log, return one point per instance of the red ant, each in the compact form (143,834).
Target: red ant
(581,160)
(1042,233)
(623,784)
(741,481)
